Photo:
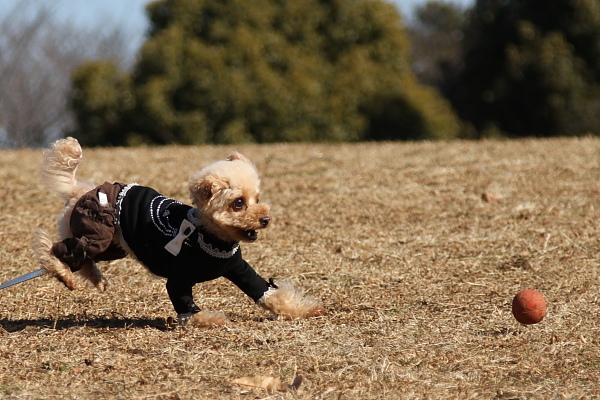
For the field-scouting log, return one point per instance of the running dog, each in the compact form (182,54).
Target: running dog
(184,244)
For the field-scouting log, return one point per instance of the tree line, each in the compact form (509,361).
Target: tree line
(230,71)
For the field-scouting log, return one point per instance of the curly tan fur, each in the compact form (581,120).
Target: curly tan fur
(60,167)
(59,175)
(214,188)
(290,303)
(208,319)
(42,245)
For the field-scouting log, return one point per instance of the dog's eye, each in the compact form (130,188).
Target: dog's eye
(238,204)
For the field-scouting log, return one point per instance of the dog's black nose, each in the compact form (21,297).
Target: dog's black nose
(264,221)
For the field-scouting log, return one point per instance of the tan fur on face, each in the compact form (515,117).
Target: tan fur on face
(213,191)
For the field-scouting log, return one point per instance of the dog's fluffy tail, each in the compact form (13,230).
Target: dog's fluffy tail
(60,166)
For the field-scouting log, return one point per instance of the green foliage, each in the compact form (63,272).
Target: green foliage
(532,67)
(101,100)
(223,71)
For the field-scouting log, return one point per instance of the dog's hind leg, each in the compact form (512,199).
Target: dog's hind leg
(90,271)
(42,246)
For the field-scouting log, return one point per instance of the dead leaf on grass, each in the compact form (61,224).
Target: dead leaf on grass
(491,197)
(268,383)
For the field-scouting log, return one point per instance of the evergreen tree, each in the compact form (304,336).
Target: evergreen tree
(531,67)
(223,71)
(102,103)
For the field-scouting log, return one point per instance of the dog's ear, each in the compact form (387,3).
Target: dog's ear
(204,188)
(234,155)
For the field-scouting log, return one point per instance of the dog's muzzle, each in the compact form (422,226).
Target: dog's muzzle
(252,234)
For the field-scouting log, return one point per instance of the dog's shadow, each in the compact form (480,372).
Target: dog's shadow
(10,325)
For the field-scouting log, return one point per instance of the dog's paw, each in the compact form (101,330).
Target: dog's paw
(90,272)
(102,284)
(202,319)
(42,245)
(290,303)
(315,311)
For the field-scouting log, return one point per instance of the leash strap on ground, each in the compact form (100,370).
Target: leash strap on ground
(23,278)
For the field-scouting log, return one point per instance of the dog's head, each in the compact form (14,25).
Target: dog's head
(226,194)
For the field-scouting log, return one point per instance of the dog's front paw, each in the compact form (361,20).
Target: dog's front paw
(290,303)
(202,319)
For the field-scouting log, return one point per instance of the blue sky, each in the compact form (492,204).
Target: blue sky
(129,14)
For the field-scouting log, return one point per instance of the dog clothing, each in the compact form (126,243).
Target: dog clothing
(162,233)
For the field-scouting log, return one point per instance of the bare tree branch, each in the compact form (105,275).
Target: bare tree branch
(37,56)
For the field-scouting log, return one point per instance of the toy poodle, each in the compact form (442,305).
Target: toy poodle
(184,244)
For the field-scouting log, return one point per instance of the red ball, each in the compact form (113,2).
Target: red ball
(529,307)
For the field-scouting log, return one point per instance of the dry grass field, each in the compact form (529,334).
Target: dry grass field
(416,270)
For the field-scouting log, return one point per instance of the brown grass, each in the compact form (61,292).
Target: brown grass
(416,270)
